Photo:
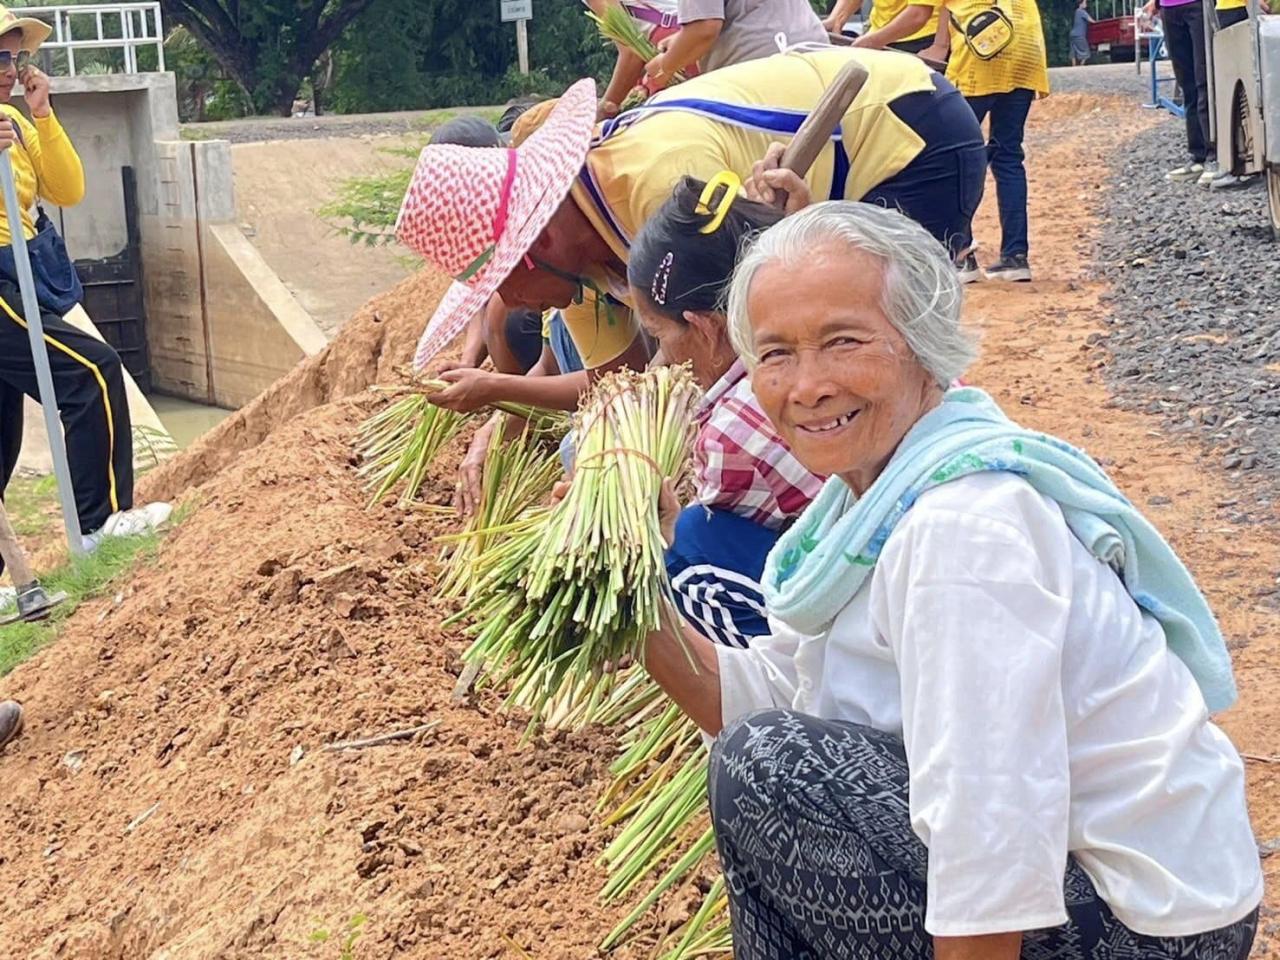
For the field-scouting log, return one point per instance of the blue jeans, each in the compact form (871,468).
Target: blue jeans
(1008,112)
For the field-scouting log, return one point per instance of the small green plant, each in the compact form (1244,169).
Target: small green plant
(350,936)
(365,208)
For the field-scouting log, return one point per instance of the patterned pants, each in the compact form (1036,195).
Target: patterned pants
(821,863)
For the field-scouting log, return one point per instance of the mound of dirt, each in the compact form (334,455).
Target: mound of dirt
(370,348)
(172,798)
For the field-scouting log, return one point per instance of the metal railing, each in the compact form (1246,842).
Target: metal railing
(135,25)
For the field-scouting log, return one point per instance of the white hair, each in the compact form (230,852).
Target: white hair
(921,294)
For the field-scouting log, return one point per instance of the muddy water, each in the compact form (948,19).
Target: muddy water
(186,421)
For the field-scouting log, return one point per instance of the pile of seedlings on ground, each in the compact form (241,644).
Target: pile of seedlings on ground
(558,598)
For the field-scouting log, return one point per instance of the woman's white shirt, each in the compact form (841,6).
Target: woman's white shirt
(1042,713)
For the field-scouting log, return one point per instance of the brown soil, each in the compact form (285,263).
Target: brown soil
(282,614)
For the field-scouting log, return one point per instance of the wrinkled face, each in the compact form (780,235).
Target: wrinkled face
(12,42)
(701,341)
(834,375)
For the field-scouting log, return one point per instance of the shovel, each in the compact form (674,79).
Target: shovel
(33,602)
(815,132)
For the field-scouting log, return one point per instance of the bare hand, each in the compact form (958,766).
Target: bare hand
(469,389)
(934,54)
(831,24)
(35,86)
(606,110)
(668,511)
(767,178)
(466,495)
(868,42)
(8,133)
(1150,8)
(655,74)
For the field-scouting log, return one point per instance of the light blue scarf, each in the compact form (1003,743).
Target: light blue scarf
(820,563)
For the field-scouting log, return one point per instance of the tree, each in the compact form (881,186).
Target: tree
(269,46)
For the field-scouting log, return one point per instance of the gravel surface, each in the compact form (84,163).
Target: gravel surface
(1194,313)
(1105,78)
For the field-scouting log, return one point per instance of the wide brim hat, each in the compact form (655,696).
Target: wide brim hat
(34,32)
(474,212)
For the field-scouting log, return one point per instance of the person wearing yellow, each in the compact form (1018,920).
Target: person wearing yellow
(1000,78)
(88,377)
(897,24)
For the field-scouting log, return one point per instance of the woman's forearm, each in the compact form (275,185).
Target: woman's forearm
(628,71)
(995,946)
(686,668)
(693,42)
(909,21)
(558,392)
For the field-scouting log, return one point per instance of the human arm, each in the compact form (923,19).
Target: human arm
(998,946)
(59,173)
(543,386)
(972,595)
(910,21)
(940,49)
(628,71)
(839,15)
(690,44)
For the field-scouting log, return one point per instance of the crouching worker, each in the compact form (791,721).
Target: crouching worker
(87,374)
(749,486)
(979,726)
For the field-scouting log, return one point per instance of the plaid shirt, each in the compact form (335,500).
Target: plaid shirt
(740,462)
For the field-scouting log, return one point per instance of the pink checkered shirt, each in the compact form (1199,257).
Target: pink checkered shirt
(740,462)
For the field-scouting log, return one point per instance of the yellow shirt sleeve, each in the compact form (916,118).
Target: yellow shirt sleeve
(44,164)
(884,11)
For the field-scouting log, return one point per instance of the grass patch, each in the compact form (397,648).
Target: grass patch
(83,578)
(193,134)
(32,505)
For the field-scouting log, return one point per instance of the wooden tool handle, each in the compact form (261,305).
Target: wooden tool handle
(14,559)
(815,132)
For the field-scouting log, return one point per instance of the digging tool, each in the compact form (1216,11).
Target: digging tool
(40,357)
(33,602)
(816,130)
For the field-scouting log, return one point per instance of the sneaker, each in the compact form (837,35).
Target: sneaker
(1188,171)
(1013,268)
(129,523)
(10,721)
(1207,175)
(1229,181)
(967,269)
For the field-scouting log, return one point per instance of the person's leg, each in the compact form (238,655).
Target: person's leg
(89,382)
(814,836)
(1004,150)
(1177,38)
(1199,97)
(715,566)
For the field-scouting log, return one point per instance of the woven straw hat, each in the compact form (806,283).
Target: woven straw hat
(34,32)
(475,212)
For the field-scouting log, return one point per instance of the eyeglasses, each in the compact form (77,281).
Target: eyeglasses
(8,58)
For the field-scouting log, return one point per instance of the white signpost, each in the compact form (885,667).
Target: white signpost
(521,11)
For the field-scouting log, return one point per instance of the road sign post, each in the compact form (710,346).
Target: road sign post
(521,12)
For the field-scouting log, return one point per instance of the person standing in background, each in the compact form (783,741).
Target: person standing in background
(1184,38)
(718,33)
(657,20)
(1002,88)
(1080,50)
(894,24)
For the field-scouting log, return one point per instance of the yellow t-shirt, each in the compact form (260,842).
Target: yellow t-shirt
(1230,4)
(883,12)
(45,164)
(629,175)
(1021,65)
(601,335)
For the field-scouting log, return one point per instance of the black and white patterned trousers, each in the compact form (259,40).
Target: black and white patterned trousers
(821,863)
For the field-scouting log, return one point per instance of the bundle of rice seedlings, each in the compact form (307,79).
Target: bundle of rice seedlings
(517,475)
(580,587)
(617,26)
(400,442)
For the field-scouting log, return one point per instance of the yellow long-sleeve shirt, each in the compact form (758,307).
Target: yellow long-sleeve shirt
(45,164)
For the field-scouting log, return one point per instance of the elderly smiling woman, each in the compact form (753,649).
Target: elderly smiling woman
(980,725)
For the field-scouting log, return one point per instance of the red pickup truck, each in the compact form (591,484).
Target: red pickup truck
(1115,36)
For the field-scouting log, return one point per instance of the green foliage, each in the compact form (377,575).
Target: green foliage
(353,931)
(365,208)
(204,90)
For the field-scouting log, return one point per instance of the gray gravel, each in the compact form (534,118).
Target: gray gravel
(1194,313)
(1102,79)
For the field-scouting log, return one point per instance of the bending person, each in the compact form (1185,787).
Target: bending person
(748,485)
(87,374)
(979,726)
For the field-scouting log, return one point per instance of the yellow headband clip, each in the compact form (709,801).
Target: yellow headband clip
(732,183)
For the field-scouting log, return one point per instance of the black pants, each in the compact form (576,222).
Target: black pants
(941,187)
(814,835)
(1184,36)
(1229,18)
(89,382)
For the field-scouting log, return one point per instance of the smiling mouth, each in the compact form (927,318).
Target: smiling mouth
(827,426)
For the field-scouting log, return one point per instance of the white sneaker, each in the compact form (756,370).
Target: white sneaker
(1229,181)
(1207,175)
(1188,171)
(129,523)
